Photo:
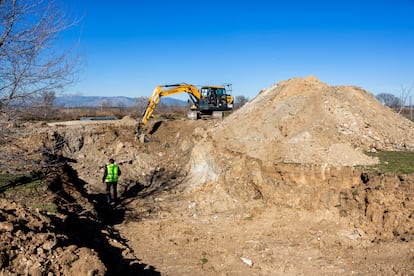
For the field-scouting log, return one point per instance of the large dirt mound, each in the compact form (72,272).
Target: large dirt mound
(303,120)
(295,146)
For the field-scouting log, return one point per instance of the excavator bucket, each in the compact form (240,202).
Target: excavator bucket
(143,138)
(139,129)
(140,134)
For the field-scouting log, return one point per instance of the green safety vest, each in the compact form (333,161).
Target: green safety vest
(112,173)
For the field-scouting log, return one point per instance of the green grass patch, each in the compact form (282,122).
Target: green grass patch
(21,185)
(6,179)
(46,207)
(32,185)
(31,193)
(394,161)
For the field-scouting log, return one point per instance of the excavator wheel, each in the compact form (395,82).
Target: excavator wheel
(218,114)
(192,115)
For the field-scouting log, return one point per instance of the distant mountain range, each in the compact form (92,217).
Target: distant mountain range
(70,101)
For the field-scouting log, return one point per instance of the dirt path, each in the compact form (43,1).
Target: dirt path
(277,242)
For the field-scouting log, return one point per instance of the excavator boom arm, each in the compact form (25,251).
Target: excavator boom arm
(166,90)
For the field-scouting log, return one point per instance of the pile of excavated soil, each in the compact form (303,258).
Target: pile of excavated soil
(290,144)
(30,246)
(305,121)
(296,146)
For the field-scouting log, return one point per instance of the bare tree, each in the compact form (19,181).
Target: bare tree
(106,105)
(47,104)
(29,61)
(240,101)
(141,104)
(389,100)
(405,93)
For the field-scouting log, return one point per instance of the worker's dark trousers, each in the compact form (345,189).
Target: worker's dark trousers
(108,191)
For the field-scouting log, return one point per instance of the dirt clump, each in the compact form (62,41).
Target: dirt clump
(33,243)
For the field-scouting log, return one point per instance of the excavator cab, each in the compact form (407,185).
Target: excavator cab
(214,98)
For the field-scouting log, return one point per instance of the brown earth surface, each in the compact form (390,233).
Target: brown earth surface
(279,187)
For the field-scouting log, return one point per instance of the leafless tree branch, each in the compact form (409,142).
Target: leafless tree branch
(30,61)
(405,92)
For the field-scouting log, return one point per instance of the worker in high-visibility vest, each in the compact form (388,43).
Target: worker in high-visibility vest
(110,177)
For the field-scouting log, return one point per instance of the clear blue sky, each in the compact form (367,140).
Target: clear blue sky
(129,47)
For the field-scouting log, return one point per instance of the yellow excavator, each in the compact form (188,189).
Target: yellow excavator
(208,100)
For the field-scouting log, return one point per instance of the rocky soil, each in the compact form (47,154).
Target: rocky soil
(281,186)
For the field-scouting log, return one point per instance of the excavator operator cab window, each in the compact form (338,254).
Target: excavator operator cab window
(212,98)
(220,92)
(209,94)
(205,92)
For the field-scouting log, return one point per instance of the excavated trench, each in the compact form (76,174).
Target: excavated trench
(89,224)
